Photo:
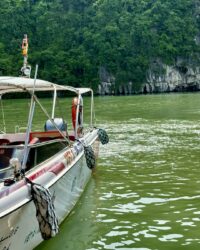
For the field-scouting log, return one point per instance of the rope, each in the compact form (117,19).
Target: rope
(66,137)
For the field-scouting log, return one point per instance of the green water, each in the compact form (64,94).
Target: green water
(145,193)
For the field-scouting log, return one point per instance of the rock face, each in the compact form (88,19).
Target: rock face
(109,88)
(160,78)
(163,78)
(108,84)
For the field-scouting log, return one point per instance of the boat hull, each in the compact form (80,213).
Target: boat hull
(20,228)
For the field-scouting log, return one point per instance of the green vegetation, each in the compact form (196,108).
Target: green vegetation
(72,39)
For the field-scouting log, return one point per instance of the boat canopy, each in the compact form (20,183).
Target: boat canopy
(22,84)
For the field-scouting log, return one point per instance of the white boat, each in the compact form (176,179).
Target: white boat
(43,171)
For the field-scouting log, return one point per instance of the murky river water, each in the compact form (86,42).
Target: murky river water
(145,193)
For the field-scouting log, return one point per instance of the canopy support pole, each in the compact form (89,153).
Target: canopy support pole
(30,119)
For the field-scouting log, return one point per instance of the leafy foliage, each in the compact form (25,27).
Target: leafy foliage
(72,39)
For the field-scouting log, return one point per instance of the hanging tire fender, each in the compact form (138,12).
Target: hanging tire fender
(103,136)
(89,156)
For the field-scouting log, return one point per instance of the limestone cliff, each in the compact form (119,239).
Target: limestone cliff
(108,84)
(164,78)
(160,78)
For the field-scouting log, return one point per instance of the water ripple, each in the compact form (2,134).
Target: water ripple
(125,208)
(147,200)
(171,237)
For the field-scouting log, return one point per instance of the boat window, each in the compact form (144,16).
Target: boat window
(40,154)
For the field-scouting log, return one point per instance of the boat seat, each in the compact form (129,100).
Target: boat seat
(4,161)
(45,136)
(60,123)
(4,141)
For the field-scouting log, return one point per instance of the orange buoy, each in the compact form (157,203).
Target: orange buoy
(74,108)
(75,103)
